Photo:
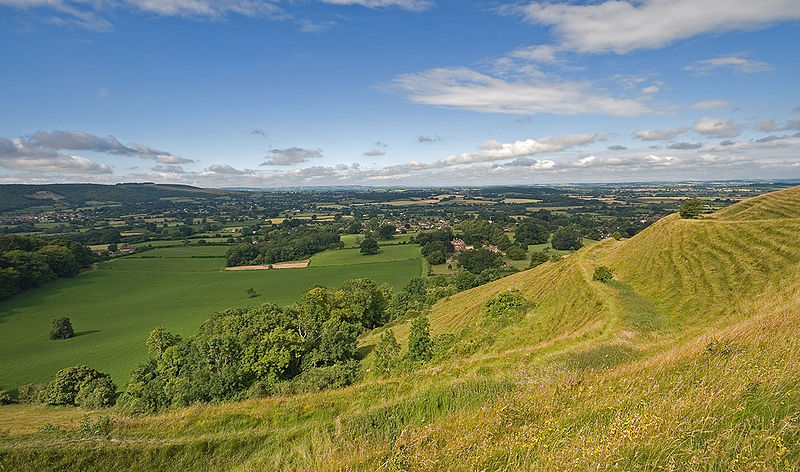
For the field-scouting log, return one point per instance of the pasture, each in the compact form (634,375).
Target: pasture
(114,307)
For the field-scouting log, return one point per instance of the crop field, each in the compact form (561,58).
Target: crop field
(114,308)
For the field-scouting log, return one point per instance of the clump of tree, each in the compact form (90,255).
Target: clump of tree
(603,274)
(386,231)
(692,208)
(478,260)
(27,263)
(567,238)
(420,345)
(61,328)
(260,350)
(369,246)
(435,245)
(478,232)
(531,231)
(284,244)
(79,385)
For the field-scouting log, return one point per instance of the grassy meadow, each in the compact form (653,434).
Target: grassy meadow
(113,308)
(688,361)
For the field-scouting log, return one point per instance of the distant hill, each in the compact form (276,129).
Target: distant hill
(688,360)
(19,196)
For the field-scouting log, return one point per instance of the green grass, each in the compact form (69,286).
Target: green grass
(689,360)
(338,257)
(114,308)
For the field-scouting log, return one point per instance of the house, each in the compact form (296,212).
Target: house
(458,245)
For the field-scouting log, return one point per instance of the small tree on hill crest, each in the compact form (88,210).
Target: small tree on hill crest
(692,208)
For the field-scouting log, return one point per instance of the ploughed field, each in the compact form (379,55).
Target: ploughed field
(113,308)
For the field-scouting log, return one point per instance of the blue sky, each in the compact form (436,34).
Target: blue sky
(270,93)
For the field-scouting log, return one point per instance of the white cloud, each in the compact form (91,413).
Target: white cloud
(622,26)
(27,156)
(496,151)
(461,87)
(428,139)
(227,170)
(207,8)
(709,104)
(291,156)
(659,134)
(168,168)
(716,128)
(412,5)
(82,141)
(733,63)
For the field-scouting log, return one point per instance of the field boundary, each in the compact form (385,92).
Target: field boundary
(289,265)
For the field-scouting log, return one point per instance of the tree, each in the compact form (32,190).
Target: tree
(61,328)
(567,237)
(603,274)
(386,353)
(436,257)
(386,231)
(531,232)
(692,208)
(420,346)
(369,246)
(159,340)
(476,261)
(515,253)
(251,292)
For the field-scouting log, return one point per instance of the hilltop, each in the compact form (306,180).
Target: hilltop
(688,360)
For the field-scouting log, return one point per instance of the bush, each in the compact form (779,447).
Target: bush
(79,383)
(61,328)
(29,393)
(386,353)
(692,208)
(603,274)
(251,292)
(99,428)
(420,346)
(436,257)
(321,378)
(5,397)
(506,306)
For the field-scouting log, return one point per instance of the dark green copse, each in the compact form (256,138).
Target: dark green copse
(61,328)
(420,346)
(692,208)
(369,246)
(80,385)
(567,237)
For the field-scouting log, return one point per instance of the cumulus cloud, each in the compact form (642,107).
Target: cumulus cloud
(659,134)
(168,168)
(496,151)
(461,87)
(291,156)
(227,170)
(733,63)
(428,139)
(622,26)
(716,128)
(411,5)
(27,156)
(709,104)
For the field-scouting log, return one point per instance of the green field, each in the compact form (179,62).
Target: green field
(114,308)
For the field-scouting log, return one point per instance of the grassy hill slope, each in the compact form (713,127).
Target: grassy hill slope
(688,360)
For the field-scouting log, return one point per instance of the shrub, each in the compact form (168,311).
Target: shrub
(603,274)
(251,292)
(617,235)
(61,328)
(506,306)
(386,353)
(29,393)
(97,393)
(420,346)
(436,257)
(321,378)
(98,428)
(5,397)
(515,253)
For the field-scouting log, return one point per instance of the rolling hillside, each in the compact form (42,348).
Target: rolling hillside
(688,360)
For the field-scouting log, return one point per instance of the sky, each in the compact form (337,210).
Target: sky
(286,93)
